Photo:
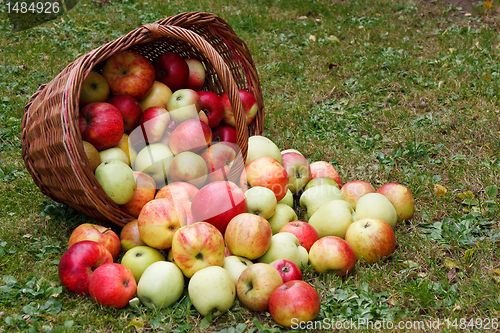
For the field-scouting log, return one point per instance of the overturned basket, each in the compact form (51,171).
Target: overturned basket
(51,142)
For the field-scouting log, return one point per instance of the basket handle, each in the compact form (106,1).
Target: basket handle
(156,31)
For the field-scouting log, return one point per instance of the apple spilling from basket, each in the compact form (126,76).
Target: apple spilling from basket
(248,240)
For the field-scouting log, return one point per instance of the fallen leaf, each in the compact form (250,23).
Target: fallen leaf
(448,263)
(468,255)
(439,190)
(496,271)
(457,307)
(410,264)
(312,38)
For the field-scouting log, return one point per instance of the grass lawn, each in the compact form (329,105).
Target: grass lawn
(387,91)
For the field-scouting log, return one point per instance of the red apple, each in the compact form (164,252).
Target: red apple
(354,190)
(159,220)
(332,254)
(112,285)
(288,270)
(130,236)
(130,108)
(305,233)
(324,169)
(101,124)
(401,198)
(248,235)
(197,74)
(171,69)
(95,88)
(78,262)
(218,158)
(223,132)
(129,73)
(371,239)
(197,246)
(154,121)
(211,104)
(190,135)
(256,285)
(266,172)
(297,168)
(293,303)
(181,192)
(250,107)
(217,203)
(102,235)
(145,192)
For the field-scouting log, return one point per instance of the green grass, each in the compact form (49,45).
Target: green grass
(389,91)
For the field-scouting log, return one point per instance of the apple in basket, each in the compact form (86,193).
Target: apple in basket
(95,88)
(172,70)
(190,135)
(130,108)
(211,104)
(101,124)
(184,104)
(197,74)
(158,96)
(153,122)
(129,73)
(224,133)
(250,107)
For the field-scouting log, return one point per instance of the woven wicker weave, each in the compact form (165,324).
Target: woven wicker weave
(51,142)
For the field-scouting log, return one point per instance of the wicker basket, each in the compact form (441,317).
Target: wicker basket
(51,142)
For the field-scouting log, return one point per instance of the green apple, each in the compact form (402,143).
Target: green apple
(287,199)
(285,245)
(282,215)
(320,181)
(92,155)
(234,265)
(114,153)
(376,205)
(138,258)
(212,289)
(117,180)
(261,146)
(161,285)
(261,201)
(188,167)
(316,196)
(155,160)
(333,218)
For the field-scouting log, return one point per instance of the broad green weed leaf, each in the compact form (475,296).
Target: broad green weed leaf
(492,191)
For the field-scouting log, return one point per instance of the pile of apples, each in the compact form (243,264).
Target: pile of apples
(248,240)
